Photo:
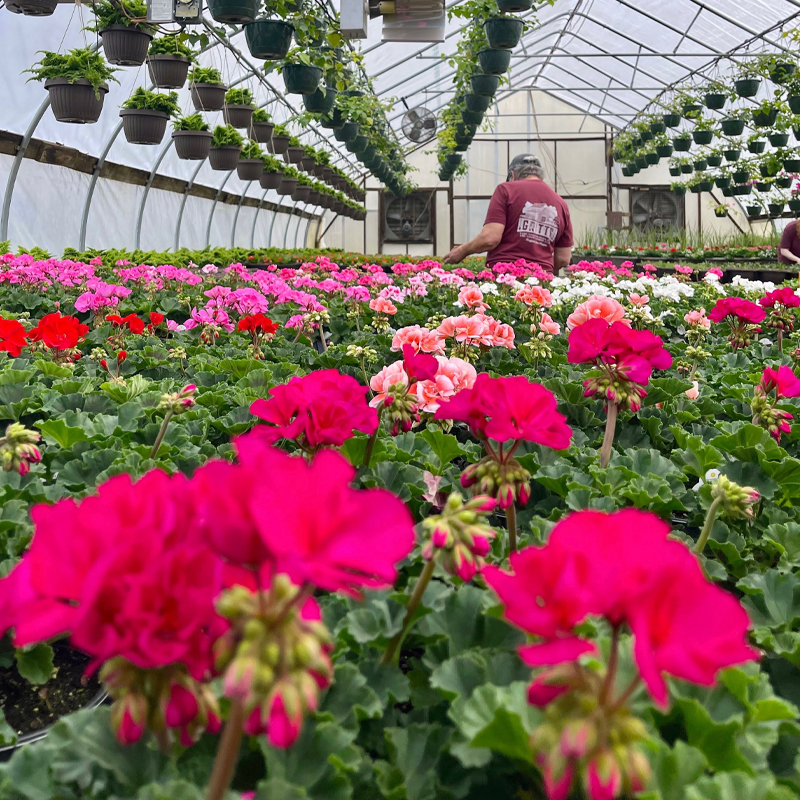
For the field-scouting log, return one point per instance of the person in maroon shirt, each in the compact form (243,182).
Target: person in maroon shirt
(789,248)
(526,219)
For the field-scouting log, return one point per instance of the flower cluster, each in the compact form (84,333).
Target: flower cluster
(784,383)
(741,316)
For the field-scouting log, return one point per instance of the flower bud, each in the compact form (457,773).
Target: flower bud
(578,739)
(637,770)
(121,356)
(128,718)
(558,778)
(181,707)
(603,778)
(283,713)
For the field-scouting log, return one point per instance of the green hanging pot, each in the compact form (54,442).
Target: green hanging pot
(778,139)
(715,101)
(731,126)
(703,137)
(320,102)
(723,181)
(235,12)
(671,120)
(682,143)
(747,87)
(503,33)
(484,84)
(732,155)
(765,119)
(494,62)
(347,132)
(301,78)
(477,102)
(714,161)
(268,39)
(664,150)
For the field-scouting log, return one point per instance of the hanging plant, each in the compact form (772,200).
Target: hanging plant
(238,108)
(261,126)
(168,61)
(716,95)
(192,137)
(145,115)
(251,162)
(281,137)
(233,12)
(77,82)
(207,89)
(778,67)
(749,81)
(272,174)
(123,27)
(226,144)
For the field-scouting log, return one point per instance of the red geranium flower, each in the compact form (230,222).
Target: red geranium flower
(12,336)
(258,323)
(156,318)
(59,332)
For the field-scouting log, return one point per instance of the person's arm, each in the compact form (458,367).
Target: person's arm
(561,257)
(486,240)
(789,255)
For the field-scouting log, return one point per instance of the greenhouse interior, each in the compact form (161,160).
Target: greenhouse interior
(324,325)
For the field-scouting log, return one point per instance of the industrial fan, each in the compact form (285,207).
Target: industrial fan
(419,125)
(408,219)
(656,210)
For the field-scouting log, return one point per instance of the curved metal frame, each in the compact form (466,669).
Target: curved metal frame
(297,229)
(236,215)
(179,219)
(275,213)
(137,237)
(286,229)
(255,218)
(214,207)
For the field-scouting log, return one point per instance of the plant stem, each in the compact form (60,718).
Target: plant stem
(322,338)
(708,525)
(780,340)
(227,752)
(608,438)
(413,604)
(164,744)
(611,671)
(625,696)
(161,434)
(511,522)
(694,370)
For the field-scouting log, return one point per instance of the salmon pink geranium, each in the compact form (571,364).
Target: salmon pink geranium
(597,307)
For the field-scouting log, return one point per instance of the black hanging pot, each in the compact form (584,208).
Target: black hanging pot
(192,145)
(703,137)
(334,120)
(125,45)
(477,102)
(691,110)
(778,139)
(301,78)
(782,72)
(359,144)
(494,62)
(743,189)
(705,186)
(270,180)
(674,171)
(796,132)
(741,176)
(687,169)
(268,39)
(664,150)
(652,158)
(472,117)
(367,154)
(626,171)
(714,161)
(747,87)
(679,189)
(321,101)
(723,181)
(700,165)
(168,71)
(32,8)
(757,146)
(308,164)
(503,33)
(765,119)
(294,154)
(280,143)
(682,143)
(452,160)
(143,126)
(235,12)
(261,132)
(641,162)
(445,174)
(763,186)
(347,132)
(287,186)
(208,96)
(513,6)
(238,115)
(775,209)
(794,205)
(727,191)
(794,103)
(484,84)
(671,120)
(75,102)
(732,155)
(720,213)
(224,159)
(301,193)
(791,164)
(249,169)
(731,126)
(645,136)
(753,211)
(784,182)
(715,100)
(657,127)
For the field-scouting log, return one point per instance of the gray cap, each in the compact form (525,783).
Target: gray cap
(524,160)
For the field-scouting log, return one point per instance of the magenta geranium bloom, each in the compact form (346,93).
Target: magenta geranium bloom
(738,307)
(782,380)
(785,296)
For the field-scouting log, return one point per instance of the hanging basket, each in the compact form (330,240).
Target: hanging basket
(758,146)
(700,165)
(334,121)
(280,144)
(703,137)
(679,189)
(792,165)
(503,33)
(167,71)
(32,8)
(720,213)
(778,139)
(477,102)
(268,39)
(783,182)
(714,161)
(765,119)
(472,117)
(674,171)
(208,96)
(731,126)
(747,87)
(143,126)
(664,150)
(347,132)
(301,78)
(741,176)
(320,102)
(270,180)
(224,159)
(671,120)
(782,72)
(794,205)
(125,45)
(484,84)
(753,211)
(715,101)
(294,154)
(192,145)
(287,186)
(732,155)
(682,143)
(236,12)
(249,169)
(794,103)
(238,115)
(301,193)
(775,209)
(723,181)
(261,132)
(75,102)
(686,169)
(494,62)
(652,158)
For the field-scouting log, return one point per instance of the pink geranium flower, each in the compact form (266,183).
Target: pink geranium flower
(389,376)
(548,325)
(453,375)
(472,297)
(736,307)
(782,380)
(383,306)
(785,296)
(534,296)
(421,339)
(597,307)
(697,318)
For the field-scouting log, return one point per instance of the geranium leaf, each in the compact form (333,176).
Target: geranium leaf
(35,664)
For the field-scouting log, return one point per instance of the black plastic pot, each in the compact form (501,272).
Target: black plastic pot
(477,102)
(741,176)
(775,209)
(632,168)
(261,132)
(192,145)
(472,117)
(700,165)
(723,181)
(731,126)
(679,189)
(783,182)
(756,146)
(238,115)
(645,136)
(782,72)
(747,87)
(513,6)
(268,39)
(287,186)
(484,84)
(224,159)
(320,102)
(742,190)
(727,192)
(359,144)
(641,162)
(691,110)
(280,144)
(32,8)
(765,119)
(168,72)
(674,171)
(626,171)
(732,155)
(703,137)
(657,127)
(682,143)
(270,180)
(334,121)
(652,158)
(494,62)
(791,164)
(720,213)
(208,96)
(301,193)
(503,33)
(715,100)
(452,160)
(308,164)
(763,186)
(794,205)
(301,78)
(249,169)
(753,211)
(796,132)
(794,103)
(293,154)
(778,139)
(696,189)
(143,126)
(236,12)
(125,45)
(687,169)
(347,132)
(705,186)
(75,102)
(671,120)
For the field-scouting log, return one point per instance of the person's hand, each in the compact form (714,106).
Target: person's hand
(455,256)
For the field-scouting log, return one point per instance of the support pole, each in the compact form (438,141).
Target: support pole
(255,218)
(137,237)
(236,215)
(214,207)
(185,197)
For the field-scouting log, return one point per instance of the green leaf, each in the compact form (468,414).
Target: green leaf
(56,430)
(737,786)
(35,664)
(414,754)
(444,445)
(350,699)
(675,769)
(773,598)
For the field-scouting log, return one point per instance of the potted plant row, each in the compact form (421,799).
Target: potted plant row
(145,115)
(192,137)
(123,28)
(168,62)
(207,89)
